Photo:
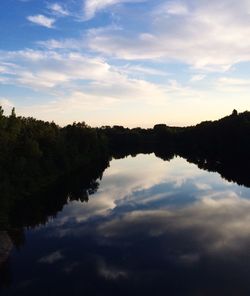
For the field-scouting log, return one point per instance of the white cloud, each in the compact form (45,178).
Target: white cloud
(138,70)
(51,69)
(42,20)
(79,87)
(58,9)
(79,82)
(91,7)
(47,69)
(210,37)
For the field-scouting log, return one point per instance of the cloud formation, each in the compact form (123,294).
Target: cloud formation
(212,37)
(42,20)
(156,58)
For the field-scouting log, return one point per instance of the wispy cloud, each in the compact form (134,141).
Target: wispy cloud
(197,77)
(42,20)
(76,84)
(172,8)
(91,7)
(210,37)
(58,9)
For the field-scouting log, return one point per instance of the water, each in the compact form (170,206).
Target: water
(152,227)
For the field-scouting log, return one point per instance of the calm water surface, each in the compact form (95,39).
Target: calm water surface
(153,227)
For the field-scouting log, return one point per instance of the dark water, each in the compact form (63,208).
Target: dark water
(153,227)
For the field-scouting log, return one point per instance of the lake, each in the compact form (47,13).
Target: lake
(152,227)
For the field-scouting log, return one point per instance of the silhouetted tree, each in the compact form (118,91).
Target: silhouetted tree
(235,112)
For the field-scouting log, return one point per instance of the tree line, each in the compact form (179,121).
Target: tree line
(37,155)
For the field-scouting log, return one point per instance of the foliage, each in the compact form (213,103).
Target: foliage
(34,153)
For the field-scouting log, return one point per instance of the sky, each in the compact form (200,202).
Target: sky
(126,62)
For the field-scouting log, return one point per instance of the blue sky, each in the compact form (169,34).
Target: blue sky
(130,62)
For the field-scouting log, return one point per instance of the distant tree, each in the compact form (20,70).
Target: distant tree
(1,111)
(13,112)
(235,112)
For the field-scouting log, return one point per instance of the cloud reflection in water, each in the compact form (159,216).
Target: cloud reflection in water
(153,226)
